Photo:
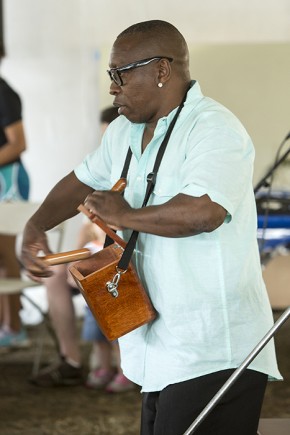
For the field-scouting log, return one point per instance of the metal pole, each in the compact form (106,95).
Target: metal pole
(237,373)
(277,163)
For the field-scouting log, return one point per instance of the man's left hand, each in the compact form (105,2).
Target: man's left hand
(110,206)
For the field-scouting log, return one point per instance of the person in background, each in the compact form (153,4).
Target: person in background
(60,289)
(197,253)
(14,186)
(108,372)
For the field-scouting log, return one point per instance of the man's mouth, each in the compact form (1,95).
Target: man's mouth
(120,107)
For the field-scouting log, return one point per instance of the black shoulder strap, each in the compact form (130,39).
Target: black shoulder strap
(126,164)
(151,180)
(108,240)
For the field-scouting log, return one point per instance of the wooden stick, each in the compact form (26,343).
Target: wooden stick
(118,187)
(82,254)
(67,257)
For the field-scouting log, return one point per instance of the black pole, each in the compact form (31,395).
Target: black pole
(264,180)
(237,373)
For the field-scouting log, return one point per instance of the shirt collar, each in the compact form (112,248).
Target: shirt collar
(194,95)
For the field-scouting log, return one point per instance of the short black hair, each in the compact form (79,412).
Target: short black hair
(157,27)
(109,114)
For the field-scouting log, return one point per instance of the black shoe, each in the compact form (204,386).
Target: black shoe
(57,375)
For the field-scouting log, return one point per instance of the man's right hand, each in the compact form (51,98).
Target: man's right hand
(60,204)
(35,243)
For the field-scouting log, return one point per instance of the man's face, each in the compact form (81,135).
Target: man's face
(138,98)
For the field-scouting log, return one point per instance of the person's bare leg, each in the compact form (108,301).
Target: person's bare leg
(10,305)
(116,353)
(105,372)
(119,383)
(62,313)
(104,354)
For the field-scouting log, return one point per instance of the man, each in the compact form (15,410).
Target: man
(197,252)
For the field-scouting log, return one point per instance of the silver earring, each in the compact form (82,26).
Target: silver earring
(160,85)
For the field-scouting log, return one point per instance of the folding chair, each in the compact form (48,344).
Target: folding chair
(13,217)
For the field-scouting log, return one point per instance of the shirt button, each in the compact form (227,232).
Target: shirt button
(139,178)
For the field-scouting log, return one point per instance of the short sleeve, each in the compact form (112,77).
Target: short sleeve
(10,107)
(102,168)
(219,164)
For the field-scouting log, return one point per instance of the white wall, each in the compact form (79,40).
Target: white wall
(56,73)
(57,53)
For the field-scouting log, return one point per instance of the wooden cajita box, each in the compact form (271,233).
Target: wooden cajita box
(117,299)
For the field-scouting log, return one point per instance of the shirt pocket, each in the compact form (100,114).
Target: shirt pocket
(166,187)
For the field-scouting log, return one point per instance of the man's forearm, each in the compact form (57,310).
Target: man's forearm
(61,203)
(182,216)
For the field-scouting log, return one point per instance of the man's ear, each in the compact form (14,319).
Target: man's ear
(164,71)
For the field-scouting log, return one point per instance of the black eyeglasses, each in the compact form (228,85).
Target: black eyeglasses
(115,73)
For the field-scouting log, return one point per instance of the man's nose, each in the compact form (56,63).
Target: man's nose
(114,88)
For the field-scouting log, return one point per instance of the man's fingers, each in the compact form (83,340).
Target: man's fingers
(36,275)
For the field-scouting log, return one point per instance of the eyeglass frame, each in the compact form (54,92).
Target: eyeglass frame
(132,65)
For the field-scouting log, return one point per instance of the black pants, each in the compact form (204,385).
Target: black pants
(172,410)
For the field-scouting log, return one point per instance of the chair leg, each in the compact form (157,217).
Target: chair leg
(38,351)
(47,327)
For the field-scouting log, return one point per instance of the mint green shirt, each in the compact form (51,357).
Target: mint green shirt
(207,289)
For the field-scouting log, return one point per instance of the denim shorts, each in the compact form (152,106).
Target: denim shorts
(91,330)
